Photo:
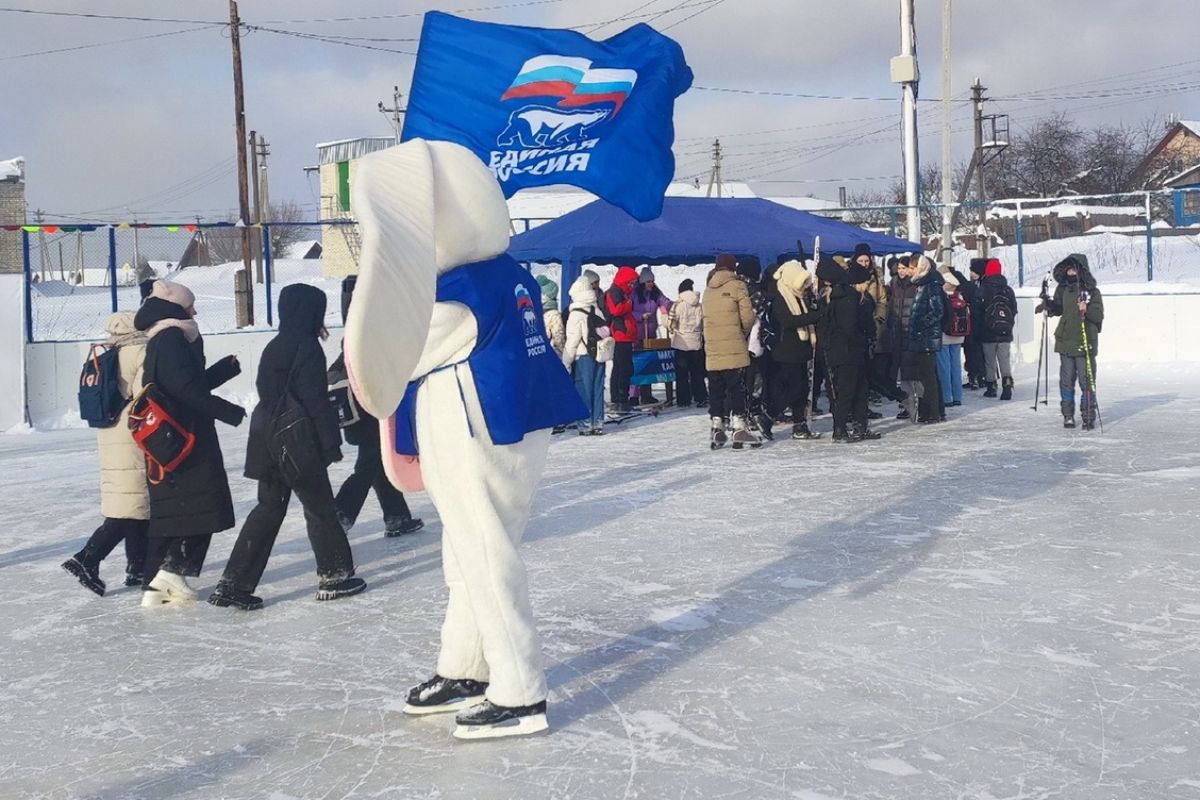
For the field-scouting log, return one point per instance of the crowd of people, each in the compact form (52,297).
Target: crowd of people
(759,347)
(167,520)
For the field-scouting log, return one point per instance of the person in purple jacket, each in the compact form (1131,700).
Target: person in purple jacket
(648,299)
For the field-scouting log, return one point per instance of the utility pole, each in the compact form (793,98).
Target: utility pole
(257,200)
(263,152)
(396,111)
(243,292)
(714,177)
(977,98)
(947,153)
(906,73)
(47,264)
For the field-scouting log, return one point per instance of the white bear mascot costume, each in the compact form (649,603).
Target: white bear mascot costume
(433,221)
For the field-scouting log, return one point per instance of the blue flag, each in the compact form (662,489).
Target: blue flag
(544,106)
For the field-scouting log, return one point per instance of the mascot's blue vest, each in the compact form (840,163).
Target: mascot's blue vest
(520,380)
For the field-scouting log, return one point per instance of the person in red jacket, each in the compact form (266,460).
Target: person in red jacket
(618,302)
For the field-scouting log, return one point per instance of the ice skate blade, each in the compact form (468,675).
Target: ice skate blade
(524,726)
(444,708)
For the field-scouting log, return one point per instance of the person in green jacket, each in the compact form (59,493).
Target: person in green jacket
(1078,302)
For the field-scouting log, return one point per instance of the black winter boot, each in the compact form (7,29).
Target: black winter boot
(87,574)
(800,431)
(332,590)
(864,433)
(991,389)
(1007,392)
(398,526)
(225,596)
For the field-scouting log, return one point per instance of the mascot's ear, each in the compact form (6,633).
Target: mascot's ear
(393,299)
(423,208)
(470,215)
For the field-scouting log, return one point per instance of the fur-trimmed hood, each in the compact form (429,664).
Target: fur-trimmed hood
(1081,263)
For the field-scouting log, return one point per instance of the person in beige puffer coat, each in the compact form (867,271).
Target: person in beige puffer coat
(687,339)
(728,320)
(124,501)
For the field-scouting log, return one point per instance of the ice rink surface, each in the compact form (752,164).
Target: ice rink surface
(991,608)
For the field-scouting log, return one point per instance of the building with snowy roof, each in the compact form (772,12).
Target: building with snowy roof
(12,212)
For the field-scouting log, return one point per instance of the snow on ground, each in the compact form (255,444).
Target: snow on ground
(992,608)
(62,311)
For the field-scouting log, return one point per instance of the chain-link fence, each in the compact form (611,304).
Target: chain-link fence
(77,275)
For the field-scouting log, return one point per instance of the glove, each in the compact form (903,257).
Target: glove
(1040,307)
(236,416)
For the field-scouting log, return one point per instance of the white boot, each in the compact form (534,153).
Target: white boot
(169,588)
(742,435)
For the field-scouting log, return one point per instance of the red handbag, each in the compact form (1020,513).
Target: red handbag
(164,441)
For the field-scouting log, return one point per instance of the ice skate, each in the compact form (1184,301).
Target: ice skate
(490,721)
(399,526)
(333,590)
(717,436)
(229,597)
(864,433)
(172,588)
(1068,422)
(439,695)
(800,431)
(762,424)
(90,578)
(742,435)
(914,390)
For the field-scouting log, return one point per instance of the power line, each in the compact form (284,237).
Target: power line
(315,38)
(692,16)
(84,15)
(107,44)
(406,15)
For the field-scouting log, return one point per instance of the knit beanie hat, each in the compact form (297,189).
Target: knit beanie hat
(686,285)
(749,268)
(829,271)
(175,293)
(145,288)
(993,268)
(593,277)
(978,266)
(646,275)
(549,289)
(862,249)
(726,262)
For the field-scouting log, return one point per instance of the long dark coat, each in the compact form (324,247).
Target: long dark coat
(295,351)
(194,499)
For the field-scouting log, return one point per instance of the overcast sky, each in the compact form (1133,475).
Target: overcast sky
(148,124)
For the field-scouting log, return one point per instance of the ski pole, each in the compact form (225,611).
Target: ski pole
(1042,354)
(1084,297)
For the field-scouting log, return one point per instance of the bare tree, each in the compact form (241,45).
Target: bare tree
(225,244)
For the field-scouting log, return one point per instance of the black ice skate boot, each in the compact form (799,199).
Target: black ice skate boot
(800,431)
(1007,392)
(742,435)
(399,526)
(226,596)
(717,437)
(490,721)
(865,434)
(84,572)
(439,695)
(347,587)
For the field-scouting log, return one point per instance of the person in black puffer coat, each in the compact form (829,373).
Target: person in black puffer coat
(193,502)
(995,313)
(798,315)
(923,339)
(292,361)
(972,346)
(848,331)
(368,466)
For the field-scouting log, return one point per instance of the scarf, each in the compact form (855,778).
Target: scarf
(191,331)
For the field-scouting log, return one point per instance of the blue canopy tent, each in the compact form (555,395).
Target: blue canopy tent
(691,230)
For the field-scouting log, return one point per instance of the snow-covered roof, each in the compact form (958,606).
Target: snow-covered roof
(1186,178)
(1192,125)
(350,149)
(13,169)
(728,189)
(301,250)
(1067,210)
(805,203)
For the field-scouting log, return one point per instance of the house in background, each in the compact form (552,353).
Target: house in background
(1186,195)
(336,165)
(12,212)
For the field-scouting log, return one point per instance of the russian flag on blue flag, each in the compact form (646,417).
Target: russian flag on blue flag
(543,106)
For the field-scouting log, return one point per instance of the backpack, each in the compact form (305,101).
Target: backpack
(598,347)
(164,441)
(957,321)
(341,396)
(998,315)
(100,398)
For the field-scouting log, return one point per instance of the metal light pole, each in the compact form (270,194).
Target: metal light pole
(947,154)
(906,73)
